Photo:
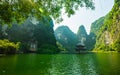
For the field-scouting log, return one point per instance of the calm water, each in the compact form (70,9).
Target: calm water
(61,64)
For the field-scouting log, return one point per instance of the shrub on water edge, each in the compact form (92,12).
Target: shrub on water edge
(7,47)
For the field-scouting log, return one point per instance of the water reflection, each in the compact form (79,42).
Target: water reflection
(73,65)
(61,64)
(25,64)
(108,63)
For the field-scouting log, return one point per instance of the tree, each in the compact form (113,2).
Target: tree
(8,47)
(20,10)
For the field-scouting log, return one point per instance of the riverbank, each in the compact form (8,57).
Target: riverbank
(81,52)
(104,51)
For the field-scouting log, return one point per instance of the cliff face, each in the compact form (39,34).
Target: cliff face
(82,35)
(95,27)
(66,38)
(40,35)
(108,37)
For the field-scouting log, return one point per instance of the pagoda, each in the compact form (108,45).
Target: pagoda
(80,47)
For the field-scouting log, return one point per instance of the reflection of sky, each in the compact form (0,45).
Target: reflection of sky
(86,17)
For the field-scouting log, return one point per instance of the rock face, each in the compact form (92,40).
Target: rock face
(66,38)
(108,37)
(82,35)
(104,34)
(33,37)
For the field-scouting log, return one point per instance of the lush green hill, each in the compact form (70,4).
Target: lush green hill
(108,38)
(95,27)
(37,36)
(66,38)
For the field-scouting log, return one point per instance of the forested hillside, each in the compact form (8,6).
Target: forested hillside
(95,28)
(66,38)
(33,36)
(108,38)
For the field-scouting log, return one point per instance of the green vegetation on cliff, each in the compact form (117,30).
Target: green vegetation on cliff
(66,38)
(32,36)
(94,31)
(108,38)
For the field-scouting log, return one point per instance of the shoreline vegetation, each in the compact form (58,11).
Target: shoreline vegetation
(105,51)
(8,47)
(82,52)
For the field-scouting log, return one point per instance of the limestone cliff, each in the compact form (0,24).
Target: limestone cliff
(108,37)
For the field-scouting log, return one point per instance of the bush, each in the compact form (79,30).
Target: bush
(7,47)
(116,45)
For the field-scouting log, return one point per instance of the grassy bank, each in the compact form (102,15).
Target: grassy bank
(101,51)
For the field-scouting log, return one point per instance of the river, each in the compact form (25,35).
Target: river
(61,64)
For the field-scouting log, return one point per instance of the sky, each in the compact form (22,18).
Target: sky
(86,16)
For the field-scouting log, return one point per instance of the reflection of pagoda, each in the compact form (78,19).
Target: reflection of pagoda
(80,47)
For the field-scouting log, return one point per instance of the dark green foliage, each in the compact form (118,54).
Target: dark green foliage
(20,10)
(109,34)
(116,45)
(7,47)
(66,38)
(0,31)
(95,28)
(44,33)
(48,48)
(28,33)
(22,33)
